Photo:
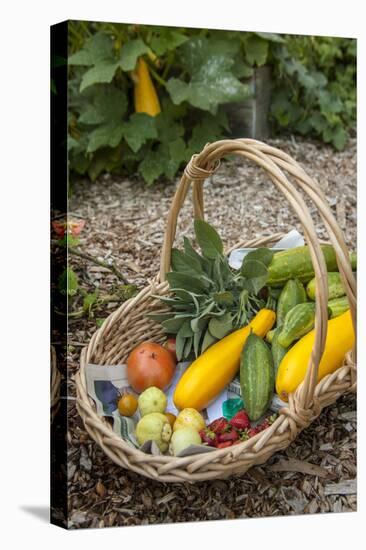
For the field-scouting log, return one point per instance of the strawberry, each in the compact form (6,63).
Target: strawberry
(240,421)
(219,425)
(224,444)
(208,436)
(253,431)
(231,435)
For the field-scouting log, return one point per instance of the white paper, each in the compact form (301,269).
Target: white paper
(291,240)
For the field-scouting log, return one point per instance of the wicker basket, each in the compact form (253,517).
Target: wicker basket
(128,326)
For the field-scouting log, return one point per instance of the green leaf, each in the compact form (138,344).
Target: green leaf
(256,274)
(166,39)
(212,81)
(256,50)
(89,300)
(187,347)
(97,74)
(196,342)
(337,136)
(208,239)
(172,326)
(220,327)
(131,51)
(208,340)
(186,282)
(271,37)
(104,104)
(184,263)
(97,49)
(152,166)
(140,128)
(186,330)
(190,251)
(198,324)
(224,298)
(179,346)
(108,135)
(159,317)
(263,255)
(68,283)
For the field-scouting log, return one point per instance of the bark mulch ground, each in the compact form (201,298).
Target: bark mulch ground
(125,221)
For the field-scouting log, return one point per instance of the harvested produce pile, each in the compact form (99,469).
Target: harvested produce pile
(101,494)
(220,317)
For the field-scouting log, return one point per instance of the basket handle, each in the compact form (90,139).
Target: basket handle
(274,161)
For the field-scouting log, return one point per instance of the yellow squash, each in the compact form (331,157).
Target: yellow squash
(292,369)
(145,96)
(208,375)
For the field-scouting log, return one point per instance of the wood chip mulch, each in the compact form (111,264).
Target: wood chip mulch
(125,222)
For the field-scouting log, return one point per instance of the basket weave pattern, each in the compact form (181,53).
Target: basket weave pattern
(128,326)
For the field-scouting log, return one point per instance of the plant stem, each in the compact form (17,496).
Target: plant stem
(95,261)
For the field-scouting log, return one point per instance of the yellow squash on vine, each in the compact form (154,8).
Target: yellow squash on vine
(145,97)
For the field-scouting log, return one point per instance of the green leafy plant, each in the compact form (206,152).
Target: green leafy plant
(314,91)
(196,73)
(209,299)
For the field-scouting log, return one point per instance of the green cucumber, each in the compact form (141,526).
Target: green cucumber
(296,263)
(335,286)
(337,306)
(293,293)
(278,351)
(298,322)
(257,377)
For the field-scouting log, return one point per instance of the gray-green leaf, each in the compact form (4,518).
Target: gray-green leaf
(208,340)
(220,327)
(187,282)
(263,255)
(208,239)
(131,51)
(185,263)
(256,274)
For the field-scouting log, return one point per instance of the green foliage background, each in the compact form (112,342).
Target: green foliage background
(196,72)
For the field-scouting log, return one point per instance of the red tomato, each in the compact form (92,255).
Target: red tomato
(170,346)
(150,364)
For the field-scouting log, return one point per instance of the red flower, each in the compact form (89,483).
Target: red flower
(71,227)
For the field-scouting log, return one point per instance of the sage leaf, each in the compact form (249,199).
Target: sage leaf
(187,282)
(174,325)
(263,255)
(187,347)
(159,317)
(198,324)
(196,342)
(208,239)
(256,274)
(220,327)
(184,263)
(224,298)
(185,329)
(208,340)
(179,346)
(190,251)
